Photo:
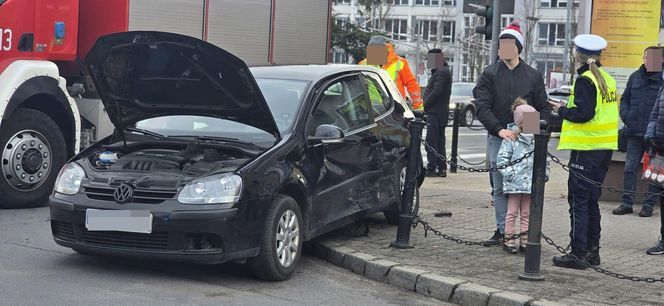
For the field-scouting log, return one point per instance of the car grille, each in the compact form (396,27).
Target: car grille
(143,196)
(153,241)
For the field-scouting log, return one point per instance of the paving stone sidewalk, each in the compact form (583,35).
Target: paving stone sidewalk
(624,241)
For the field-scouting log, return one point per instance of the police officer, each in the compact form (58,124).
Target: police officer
(590,130)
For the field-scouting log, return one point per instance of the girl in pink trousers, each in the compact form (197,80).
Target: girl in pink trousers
(517,179)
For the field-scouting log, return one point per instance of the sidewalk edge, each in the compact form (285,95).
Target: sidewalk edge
(384,270)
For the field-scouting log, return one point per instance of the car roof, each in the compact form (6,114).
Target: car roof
(306,72)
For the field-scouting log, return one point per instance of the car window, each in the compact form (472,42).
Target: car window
(380,100)
(284,98)
(462,89)
(187,125)
(342,104)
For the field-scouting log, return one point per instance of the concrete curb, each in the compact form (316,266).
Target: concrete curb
(421,281)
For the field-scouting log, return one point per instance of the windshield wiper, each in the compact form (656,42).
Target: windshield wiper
(216,139)
(144,132)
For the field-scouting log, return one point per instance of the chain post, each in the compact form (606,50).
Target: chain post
(405,216)
(455,138)
(531,271)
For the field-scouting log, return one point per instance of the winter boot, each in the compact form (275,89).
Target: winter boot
(510,245)
(593,255)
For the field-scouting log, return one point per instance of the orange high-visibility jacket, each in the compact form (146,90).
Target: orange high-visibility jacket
(399,70)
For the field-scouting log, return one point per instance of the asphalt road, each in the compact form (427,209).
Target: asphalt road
(472,145)
(36,271)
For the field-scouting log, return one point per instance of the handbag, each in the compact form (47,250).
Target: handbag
(622,142)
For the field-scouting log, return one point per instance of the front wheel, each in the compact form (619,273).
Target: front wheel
(467,117)
(281,244)
(33,151)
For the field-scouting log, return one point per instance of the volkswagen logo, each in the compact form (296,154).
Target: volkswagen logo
(123,193)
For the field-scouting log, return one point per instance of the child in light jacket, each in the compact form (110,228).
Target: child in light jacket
(517,178)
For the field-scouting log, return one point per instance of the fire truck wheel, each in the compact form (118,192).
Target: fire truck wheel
(32,154)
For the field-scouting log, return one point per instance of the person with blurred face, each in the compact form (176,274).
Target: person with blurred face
(399,70)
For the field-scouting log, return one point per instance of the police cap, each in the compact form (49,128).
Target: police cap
(590,44)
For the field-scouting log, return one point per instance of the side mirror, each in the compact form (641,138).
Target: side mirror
(326,134)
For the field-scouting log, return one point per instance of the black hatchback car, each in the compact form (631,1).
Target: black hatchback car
(211,161)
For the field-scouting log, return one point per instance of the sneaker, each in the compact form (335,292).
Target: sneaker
(431,173)
(496,239)
(569,261)
(646,211)
(442,172)
(656,250)
(511,249)
(623,210)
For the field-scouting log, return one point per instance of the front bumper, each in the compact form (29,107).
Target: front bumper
(191,233)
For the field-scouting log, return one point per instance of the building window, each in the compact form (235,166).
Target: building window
(449,2)
(427,2)
(339,57)
(428,29)
(397,28)
(557,3)
(342,22)
(551,34)
(341,1)
(505,21)
(397,2)
(447,31)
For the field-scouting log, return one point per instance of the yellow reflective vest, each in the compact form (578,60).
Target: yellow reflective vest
(601,132)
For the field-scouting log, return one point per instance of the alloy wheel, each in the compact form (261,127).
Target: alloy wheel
(287,238)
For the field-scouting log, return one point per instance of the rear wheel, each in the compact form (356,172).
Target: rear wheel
(281,244)
(33,151)
(392,213)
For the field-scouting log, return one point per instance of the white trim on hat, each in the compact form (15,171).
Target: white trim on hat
(514,33)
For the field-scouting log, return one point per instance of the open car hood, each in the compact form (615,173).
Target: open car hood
(141,75)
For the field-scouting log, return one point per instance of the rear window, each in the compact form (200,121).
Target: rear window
(462,89)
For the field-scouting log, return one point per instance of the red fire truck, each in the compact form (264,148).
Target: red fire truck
(48,105)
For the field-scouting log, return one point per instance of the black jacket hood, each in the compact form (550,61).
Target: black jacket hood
(142,75)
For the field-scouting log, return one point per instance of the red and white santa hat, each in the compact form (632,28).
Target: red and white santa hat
(513,31)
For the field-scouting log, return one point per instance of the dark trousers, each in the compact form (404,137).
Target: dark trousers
(583,197)
(436,124)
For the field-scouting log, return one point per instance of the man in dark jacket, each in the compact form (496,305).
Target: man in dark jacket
(636,105)
(654,137)
(436,107)
(497,88)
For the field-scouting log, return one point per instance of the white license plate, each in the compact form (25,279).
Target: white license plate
(134,221)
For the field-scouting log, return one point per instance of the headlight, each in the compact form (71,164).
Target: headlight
(69,179)
(452,105)
(218,189)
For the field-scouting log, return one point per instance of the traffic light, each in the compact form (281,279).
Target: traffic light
(487,13)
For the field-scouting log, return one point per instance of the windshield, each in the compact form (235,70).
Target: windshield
(459,89)
(201,126)
(284,98)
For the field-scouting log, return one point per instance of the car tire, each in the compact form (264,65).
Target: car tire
(392,213)
(467,117)
(48,155)
(269,264)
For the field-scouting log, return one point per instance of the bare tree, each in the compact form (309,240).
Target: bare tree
(475,50)
(530,15)
(375,11)
(573,31)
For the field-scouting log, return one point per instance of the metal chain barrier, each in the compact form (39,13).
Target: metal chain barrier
(469,163)
(600,270)
(470,169)
(566,167)
(427,228)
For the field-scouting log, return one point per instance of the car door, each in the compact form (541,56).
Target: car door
(393,134)
(345,178)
